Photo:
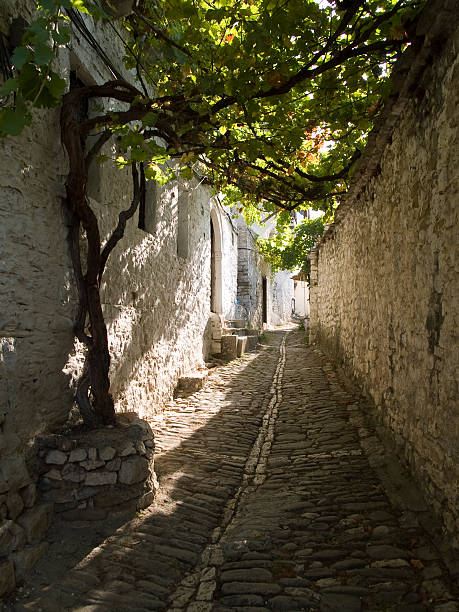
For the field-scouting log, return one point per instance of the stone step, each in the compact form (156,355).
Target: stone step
(237,331)
(189,384)
(252,343)
(229,346)
(234,323)
(241,345)
(240,331)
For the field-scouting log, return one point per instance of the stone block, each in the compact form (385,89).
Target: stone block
(217,334)
(95,479)
(107,453)
(128,449)
(92,464)
(7,578)
(113,465)
(60,496)
(252,343)
(139,430)
(73,472)
(13,473)
(92,454)
(35,521)
(12,537)
(56,457)
(141,449)
(78,454)
(241,345)
(53,474)
(15,505)
(235,323)
(229,347)
(134,469)
(83,493)
(215,347)
(146,500)
(25,559)
(191,384)
(29,495)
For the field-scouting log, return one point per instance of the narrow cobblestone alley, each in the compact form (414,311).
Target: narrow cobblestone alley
(272,497)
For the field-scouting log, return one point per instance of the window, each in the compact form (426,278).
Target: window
(148,205)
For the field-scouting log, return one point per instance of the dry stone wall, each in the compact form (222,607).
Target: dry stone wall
(384,279)
(91,475)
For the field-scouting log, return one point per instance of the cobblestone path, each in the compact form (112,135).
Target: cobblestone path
(275,494)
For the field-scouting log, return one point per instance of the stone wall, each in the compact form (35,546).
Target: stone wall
(229,259)
(281,297)
(155,293)
(384,280)
(96,474)
(155,299)
(251,270)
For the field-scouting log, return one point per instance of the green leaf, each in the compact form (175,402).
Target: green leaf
(43,55)
(56,86)
(20,56)
(61,36)
(8,87)
(13,121)
(48,5)
(186,173)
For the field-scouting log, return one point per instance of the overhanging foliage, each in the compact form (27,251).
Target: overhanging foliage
(270,100)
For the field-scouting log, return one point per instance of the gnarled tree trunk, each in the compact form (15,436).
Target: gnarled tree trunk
(93,389)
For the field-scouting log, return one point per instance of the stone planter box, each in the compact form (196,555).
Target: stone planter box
(89,475)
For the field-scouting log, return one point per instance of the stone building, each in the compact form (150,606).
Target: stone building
(384,278)
(176,265)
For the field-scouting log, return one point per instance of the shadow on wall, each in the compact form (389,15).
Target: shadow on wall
(157,314)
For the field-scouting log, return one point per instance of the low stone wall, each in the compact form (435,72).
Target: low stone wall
(90,475)
(23,522)
(384,278)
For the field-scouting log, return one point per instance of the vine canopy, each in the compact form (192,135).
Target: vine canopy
(268,100)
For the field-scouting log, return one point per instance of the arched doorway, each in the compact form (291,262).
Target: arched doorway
(215,263)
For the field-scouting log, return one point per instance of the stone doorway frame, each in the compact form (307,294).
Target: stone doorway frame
(216,261)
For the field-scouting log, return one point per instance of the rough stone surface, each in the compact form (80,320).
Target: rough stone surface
(267,501)
(133,469)
(95,479)
(384,294)
(35,521)
(7,579)
(229,346)
(15,505)
(111,468)
(78,454)
(56,457)
(25,559)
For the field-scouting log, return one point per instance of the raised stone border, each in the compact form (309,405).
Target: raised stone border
(89,475)
(23,522)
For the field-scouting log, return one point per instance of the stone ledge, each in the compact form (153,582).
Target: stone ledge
(89,475)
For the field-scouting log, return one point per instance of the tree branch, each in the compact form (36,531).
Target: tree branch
(123,217)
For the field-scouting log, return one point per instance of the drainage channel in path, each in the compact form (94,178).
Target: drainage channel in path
(196,590)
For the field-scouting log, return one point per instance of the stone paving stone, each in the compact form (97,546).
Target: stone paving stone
(270,498)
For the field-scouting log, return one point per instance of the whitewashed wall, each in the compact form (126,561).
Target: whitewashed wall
(156,302)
